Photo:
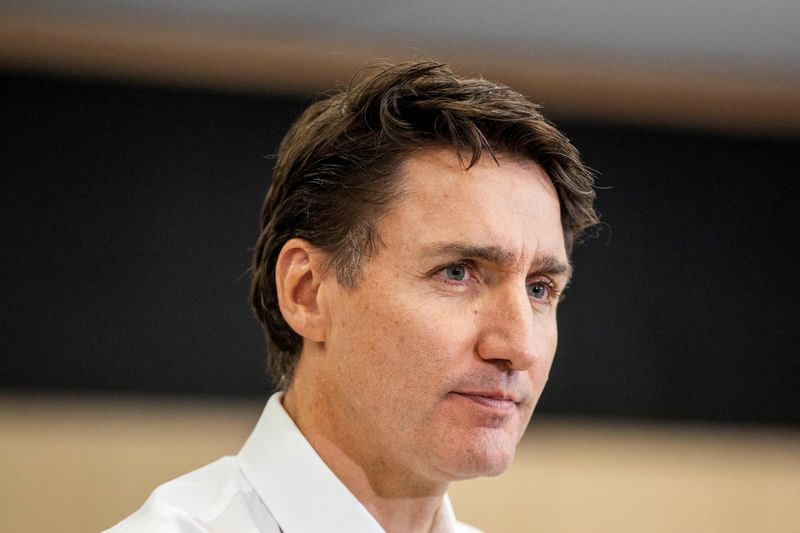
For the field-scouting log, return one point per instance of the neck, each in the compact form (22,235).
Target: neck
(399,499)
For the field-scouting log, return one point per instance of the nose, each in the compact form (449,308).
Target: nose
(509,330)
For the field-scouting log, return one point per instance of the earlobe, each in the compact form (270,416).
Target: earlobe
(298,274)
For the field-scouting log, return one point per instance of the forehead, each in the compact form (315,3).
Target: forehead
(423,169)
(511,203)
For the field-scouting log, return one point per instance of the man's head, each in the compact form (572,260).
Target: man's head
(339,172)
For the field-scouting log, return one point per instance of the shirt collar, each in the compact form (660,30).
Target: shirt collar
(298,488)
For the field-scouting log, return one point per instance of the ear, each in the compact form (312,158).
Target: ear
(298,274)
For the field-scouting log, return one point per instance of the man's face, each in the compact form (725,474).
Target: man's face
(439,354)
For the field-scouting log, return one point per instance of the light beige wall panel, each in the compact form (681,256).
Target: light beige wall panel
(81,464)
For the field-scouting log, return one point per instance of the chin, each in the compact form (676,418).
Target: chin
(482,456)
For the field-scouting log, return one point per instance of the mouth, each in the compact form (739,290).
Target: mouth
(494,400)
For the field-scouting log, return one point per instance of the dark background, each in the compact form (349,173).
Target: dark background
(129,212)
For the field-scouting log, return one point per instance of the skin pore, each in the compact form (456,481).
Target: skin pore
(428,370)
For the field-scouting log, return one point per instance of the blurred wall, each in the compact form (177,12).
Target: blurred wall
(135,154)
(130,211)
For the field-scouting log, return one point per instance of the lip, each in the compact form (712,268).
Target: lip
(495,400)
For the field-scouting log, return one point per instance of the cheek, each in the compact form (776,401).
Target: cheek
(415,342)
(427,341)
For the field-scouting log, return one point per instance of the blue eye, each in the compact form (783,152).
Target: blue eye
(455,272)
(538,290)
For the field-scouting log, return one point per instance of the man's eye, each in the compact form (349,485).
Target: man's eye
(455,272)
(538,290)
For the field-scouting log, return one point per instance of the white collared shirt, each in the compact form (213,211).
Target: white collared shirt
(277,483)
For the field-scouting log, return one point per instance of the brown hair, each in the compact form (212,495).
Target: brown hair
(337,171)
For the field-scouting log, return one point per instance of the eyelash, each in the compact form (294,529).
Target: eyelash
(467,266)
(552,290)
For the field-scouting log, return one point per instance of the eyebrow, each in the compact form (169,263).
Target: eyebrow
(545,264)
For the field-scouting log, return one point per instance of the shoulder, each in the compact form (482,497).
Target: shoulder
(461,527)
(214,497)
(157,517)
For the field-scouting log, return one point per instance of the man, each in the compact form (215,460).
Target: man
(414,244)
